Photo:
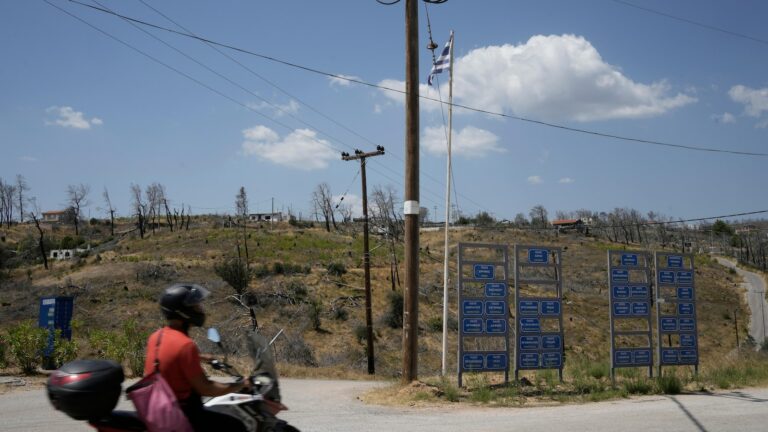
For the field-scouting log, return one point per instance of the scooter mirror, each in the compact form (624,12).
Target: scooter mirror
(213,335)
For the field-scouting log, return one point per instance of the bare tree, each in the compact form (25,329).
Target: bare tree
(384,211)
(77,197)
(538,216)
(520,220)
(139,208)
(7,196)
(21,187)
(34,215)
(111,211)
(241,204)
(322,199)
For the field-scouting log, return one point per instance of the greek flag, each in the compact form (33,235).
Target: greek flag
(443,62)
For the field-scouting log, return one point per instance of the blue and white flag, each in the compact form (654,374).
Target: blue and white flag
(443,62)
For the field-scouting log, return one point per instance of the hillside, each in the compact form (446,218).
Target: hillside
(121,279)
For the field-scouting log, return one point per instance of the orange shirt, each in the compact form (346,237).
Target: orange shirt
(179,360)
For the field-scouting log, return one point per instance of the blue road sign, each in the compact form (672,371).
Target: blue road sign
(496,326)
(640,291)
(550,307)
(530,325)
(484,271)
(472,325)
(685,309)
(496,361)
(529,360)
(685,277)
(669,356)
(529,342)
(618,275)
(621,309)
(642,357)
(688,356)
(674,261)
(620,292)
(496,308)
(669,324)
(496,289)
(623,357)
(685,293)
(687,324)
(551,359)
(640,308)
(528,307)
(472,307)
(472,361)
(666,277)
(538,256)
(629,259)
(550,342)
(687,340)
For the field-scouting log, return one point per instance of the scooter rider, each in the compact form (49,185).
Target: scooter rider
(180,359)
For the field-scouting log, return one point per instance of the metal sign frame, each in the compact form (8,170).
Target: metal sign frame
(536,349)
(623,292)
(484,316)
(676,271)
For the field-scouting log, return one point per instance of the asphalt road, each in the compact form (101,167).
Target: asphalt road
(755,286)
(332,406)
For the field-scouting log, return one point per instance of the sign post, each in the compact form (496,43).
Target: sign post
(483,293)
(676,310)
(629,285)
(539,338)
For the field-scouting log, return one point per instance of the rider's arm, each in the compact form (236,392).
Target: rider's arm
(205,387)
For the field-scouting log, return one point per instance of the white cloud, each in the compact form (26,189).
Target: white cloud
(424,90)
(566,180)
(535,180)
(755,101)
(544,156)
(28,159)
(299,149)
(292,107)
(340,81)
(724,118)
(69,118)
(554,78)
(469,142)
(351,200)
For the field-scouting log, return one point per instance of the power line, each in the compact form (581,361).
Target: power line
(457,105)
(689,21)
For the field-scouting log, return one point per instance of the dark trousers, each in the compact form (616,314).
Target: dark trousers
(204,420)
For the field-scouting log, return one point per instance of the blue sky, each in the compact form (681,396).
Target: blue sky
(79,107)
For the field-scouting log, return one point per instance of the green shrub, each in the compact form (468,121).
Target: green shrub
(336,269)
(135,340)
(669,384)
(340,314)
(450,391)
(3,350)
(637,386)
(314,314)
(107,344)
(599,370)
(435,323)
(234,272)
(361,333)
(394,315)
(64,350)
(26,342)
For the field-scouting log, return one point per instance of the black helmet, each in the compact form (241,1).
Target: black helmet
(182,301)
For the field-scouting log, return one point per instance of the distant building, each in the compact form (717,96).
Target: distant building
(564,225)
(744,229)
(53,216)
(266,217)
(65,254)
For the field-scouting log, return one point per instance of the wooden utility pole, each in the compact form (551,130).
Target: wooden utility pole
(359,155)
(411,207)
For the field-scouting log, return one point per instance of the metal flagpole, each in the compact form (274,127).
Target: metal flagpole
(447,210)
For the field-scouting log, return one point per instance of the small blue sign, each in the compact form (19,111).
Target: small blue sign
(685,277)
(622,357)
(496,308)
(484,271)
(669,324)
(551,360)
(530,325)
(621,309)
(472,361)
(629,259)
(669,356)
(472,307)
(496,289)
(640,309)
(620,292)
(528,307)
(472,325)
(618,275)
(496,325)
(687,325)
(529,342)
(685,293)
(496,362)
(687,340)
(550,307)
(550,342)
(640,291)
(674,261)
(666,277)
(642,357)
(685,309)
(688,356)
(538,256)
(529,360)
